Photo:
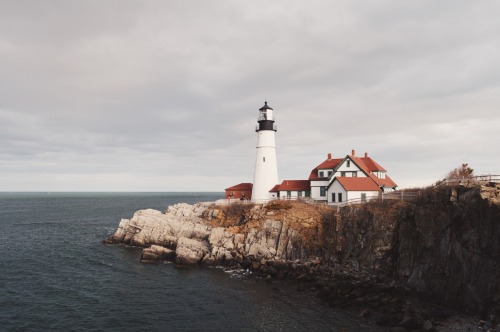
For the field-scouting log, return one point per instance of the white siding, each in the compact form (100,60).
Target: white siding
(336,188)
(325,172)
(356,195)
(315,191)
(348,170)
(284,194)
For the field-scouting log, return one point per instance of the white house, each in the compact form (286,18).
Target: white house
(349,178)
(360,189)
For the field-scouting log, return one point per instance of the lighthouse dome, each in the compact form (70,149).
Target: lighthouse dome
(265,107)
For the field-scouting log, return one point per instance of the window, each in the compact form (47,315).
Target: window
(333,197)
(363,197)
(348,163)
(264,159)
(340,197)
(321,174)
(308,194)
(322,191)
(354,174)
(288,194)
(299,193)
(342,173)
(330,173)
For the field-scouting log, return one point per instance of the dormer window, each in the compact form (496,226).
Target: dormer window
(321,174)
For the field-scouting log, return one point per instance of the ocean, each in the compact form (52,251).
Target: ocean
(55,275)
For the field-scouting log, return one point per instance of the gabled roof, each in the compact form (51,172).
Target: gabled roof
(368,163)
(327,164)
(294,185)
(275,189)
(241,186)
(357,184)
(387,182)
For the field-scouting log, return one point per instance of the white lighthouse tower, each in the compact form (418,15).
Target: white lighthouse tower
(266,169)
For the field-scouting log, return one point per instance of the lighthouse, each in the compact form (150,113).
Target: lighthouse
(266,169)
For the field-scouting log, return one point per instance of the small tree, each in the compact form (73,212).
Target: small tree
(462,172)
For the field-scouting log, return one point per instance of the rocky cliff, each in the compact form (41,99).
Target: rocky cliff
(443,246)
(245,235)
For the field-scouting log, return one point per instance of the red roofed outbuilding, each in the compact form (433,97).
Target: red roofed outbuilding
(240,191)
(292,189)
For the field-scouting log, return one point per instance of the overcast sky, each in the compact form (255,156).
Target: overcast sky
(163,95)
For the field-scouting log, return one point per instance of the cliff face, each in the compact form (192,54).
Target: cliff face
(447,249)
(451,250)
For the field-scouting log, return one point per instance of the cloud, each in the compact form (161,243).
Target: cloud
(164,94)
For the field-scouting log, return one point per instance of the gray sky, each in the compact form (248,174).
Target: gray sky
(163,95)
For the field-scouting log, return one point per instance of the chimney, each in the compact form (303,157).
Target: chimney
(329,156)
(366,154)
(353,153)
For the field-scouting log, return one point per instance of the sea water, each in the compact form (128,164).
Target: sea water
(55,275)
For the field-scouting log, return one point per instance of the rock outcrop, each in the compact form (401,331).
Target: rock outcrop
(185,235)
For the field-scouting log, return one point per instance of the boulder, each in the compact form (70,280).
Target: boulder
(191,251)
(155,254)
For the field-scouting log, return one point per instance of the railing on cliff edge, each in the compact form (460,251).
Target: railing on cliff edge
(479,179)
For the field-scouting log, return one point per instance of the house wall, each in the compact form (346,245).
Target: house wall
(325,172)
(380,175)
(357,194)
(284,194)
(336,188)
(348,195)
(315,191)
(348,170)
(238,194)
(294,194)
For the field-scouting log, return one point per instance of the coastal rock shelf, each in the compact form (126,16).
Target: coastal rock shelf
(184,234)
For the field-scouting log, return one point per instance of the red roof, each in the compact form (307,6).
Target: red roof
(357,183)
(327,164)
(387,182)
(368,164)
(294,185)
(241,186)
(275,189)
